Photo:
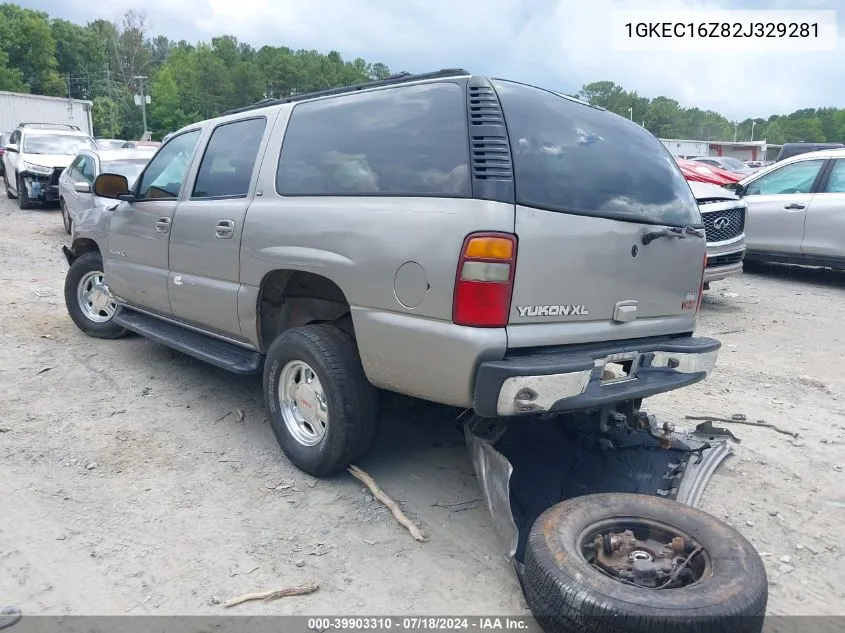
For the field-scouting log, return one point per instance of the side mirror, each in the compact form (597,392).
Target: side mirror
(12,147)
(81,187)
(113,186)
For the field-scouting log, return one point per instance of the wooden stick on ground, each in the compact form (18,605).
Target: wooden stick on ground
(272,595)
(379,494)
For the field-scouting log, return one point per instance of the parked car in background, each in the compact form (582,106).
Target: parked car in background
(726,163)
(796,210)
(753,164)
(4,137)
(110,143)
(131,144)
(36,155)
(723,214)
(699,172)
(75,195)
(794,149)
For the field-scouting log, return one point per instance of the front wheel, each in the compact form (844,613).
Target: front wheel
(23,196)
(322,408)
(628,563)
(66,217)
(89,301)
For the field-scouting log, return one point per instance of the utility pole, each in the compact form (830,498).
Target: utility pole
(753,123)
(631,113)
(736,126)
(141,99)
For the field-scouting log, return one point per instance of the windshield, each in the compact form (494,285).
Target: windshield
(65,144)
(130,168)
(574,158)
(733,163)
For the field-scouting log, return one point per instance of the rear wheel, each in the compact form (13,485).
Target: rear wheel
(23,196)
(66,217)
(89,301)
(626,563)
(322,408)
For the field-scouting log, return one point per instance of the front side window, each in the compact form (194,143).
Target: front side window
(405,141)
(164,176)
(836,180)
(86,170)
(74,170)
(789,179)
(574,158)
(62,144)
(229,160)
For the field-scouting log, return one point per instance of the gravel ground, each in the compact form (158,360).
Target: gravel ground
(137,480)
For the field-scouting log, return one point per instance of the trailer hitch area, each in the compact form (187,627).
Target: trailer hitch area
(645,563)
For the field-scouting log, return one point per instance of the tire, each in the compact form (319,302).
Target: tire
(24,202)
(350,403)
(9,193)
(68,223)
(567,593)
(85,270)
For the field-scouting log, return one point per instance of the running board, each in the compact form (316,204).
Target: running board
(211,350)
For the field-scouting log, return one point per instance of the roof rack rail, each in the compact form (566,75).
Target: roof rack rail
(398,78)
(50,125)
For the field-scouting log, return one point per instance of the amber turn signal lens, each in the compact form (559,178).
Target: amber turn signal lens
(489,248)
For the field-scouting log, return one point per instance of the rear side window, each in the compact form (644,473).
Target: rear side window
(573,158)
(229,159)
(408,141)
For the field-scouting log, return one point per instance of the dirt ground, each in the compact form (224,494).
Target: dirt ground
(137,480)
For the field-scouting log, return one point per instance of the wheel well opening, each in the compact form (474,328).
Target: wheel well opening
(290,298)
(84,245)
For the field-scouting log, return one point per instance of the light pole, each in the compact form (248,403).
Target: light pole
(631,113)
(753,123)
(736,126)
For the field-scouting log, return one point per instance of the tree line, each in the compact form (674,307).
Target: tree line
(112,62)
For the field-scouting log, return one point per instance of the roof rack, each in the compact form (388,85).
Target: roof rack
(398,78)
(50,125)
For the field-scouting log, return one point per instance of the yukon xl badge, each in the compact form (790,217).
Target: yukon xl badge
(532,311)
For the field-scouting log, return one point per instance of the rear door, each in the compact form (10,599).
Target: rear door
(205,240)
(824,227)
(589,186)
(777,206)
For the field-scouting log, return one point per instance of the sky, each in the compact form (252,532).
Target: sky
(556,44)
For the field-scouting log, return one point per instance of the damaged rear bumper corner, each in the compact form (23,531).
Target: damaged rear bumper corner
(566,380)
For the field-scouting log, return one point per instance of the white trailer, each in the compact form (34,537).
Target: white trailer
(16,108)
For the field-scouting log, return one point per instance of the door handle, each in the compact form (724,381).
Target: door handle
(225,229)
(794,205)
(163,225)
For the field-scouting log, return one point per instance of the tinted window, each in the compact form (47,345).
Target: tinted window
(836,180)
(398,141)
(574,158)
(792,178)
(226,168)
(166,171)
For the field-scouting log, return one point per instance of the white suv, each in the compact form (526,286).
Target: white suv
(35,157)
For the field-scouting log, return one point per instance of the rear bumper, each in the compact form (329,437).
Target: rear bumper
(568,379)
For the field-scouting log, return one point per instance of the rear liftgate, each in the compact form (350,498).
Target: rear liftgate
(535,462)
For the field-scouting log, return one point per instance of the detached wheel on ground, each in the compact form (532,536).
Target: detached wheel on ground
(23,197)
(322,408)
(66,217)
(627,563)
(89,301)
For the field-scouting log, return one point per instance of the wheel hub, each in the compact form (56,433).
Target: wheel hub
(303,403)
(95,299)
(648,562)
(306,401)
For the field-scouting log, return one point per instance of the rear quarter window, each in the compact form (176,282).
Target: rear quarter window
(573,158)
(403,141)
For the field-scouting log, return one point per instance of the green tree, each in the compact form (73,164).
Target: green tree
(10,78)
(107,118)
(26,38)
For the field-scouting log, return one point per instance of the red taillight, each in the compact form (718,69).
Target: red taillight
(484,280)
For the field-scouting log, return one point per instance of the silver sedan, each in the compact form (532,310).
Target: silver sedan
(796,210)
(77,180)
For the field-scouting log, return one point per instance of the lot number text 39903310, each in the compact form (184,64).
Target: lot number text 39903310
(417,623)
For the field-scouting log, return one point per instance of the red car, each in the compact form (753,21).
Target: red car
(699,172)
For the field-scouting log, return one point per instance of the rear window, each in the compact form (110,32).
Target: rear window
(573,158)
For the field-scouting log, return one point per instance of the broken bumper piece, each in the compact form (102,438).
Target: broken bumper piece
(40,188)
(526,468)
